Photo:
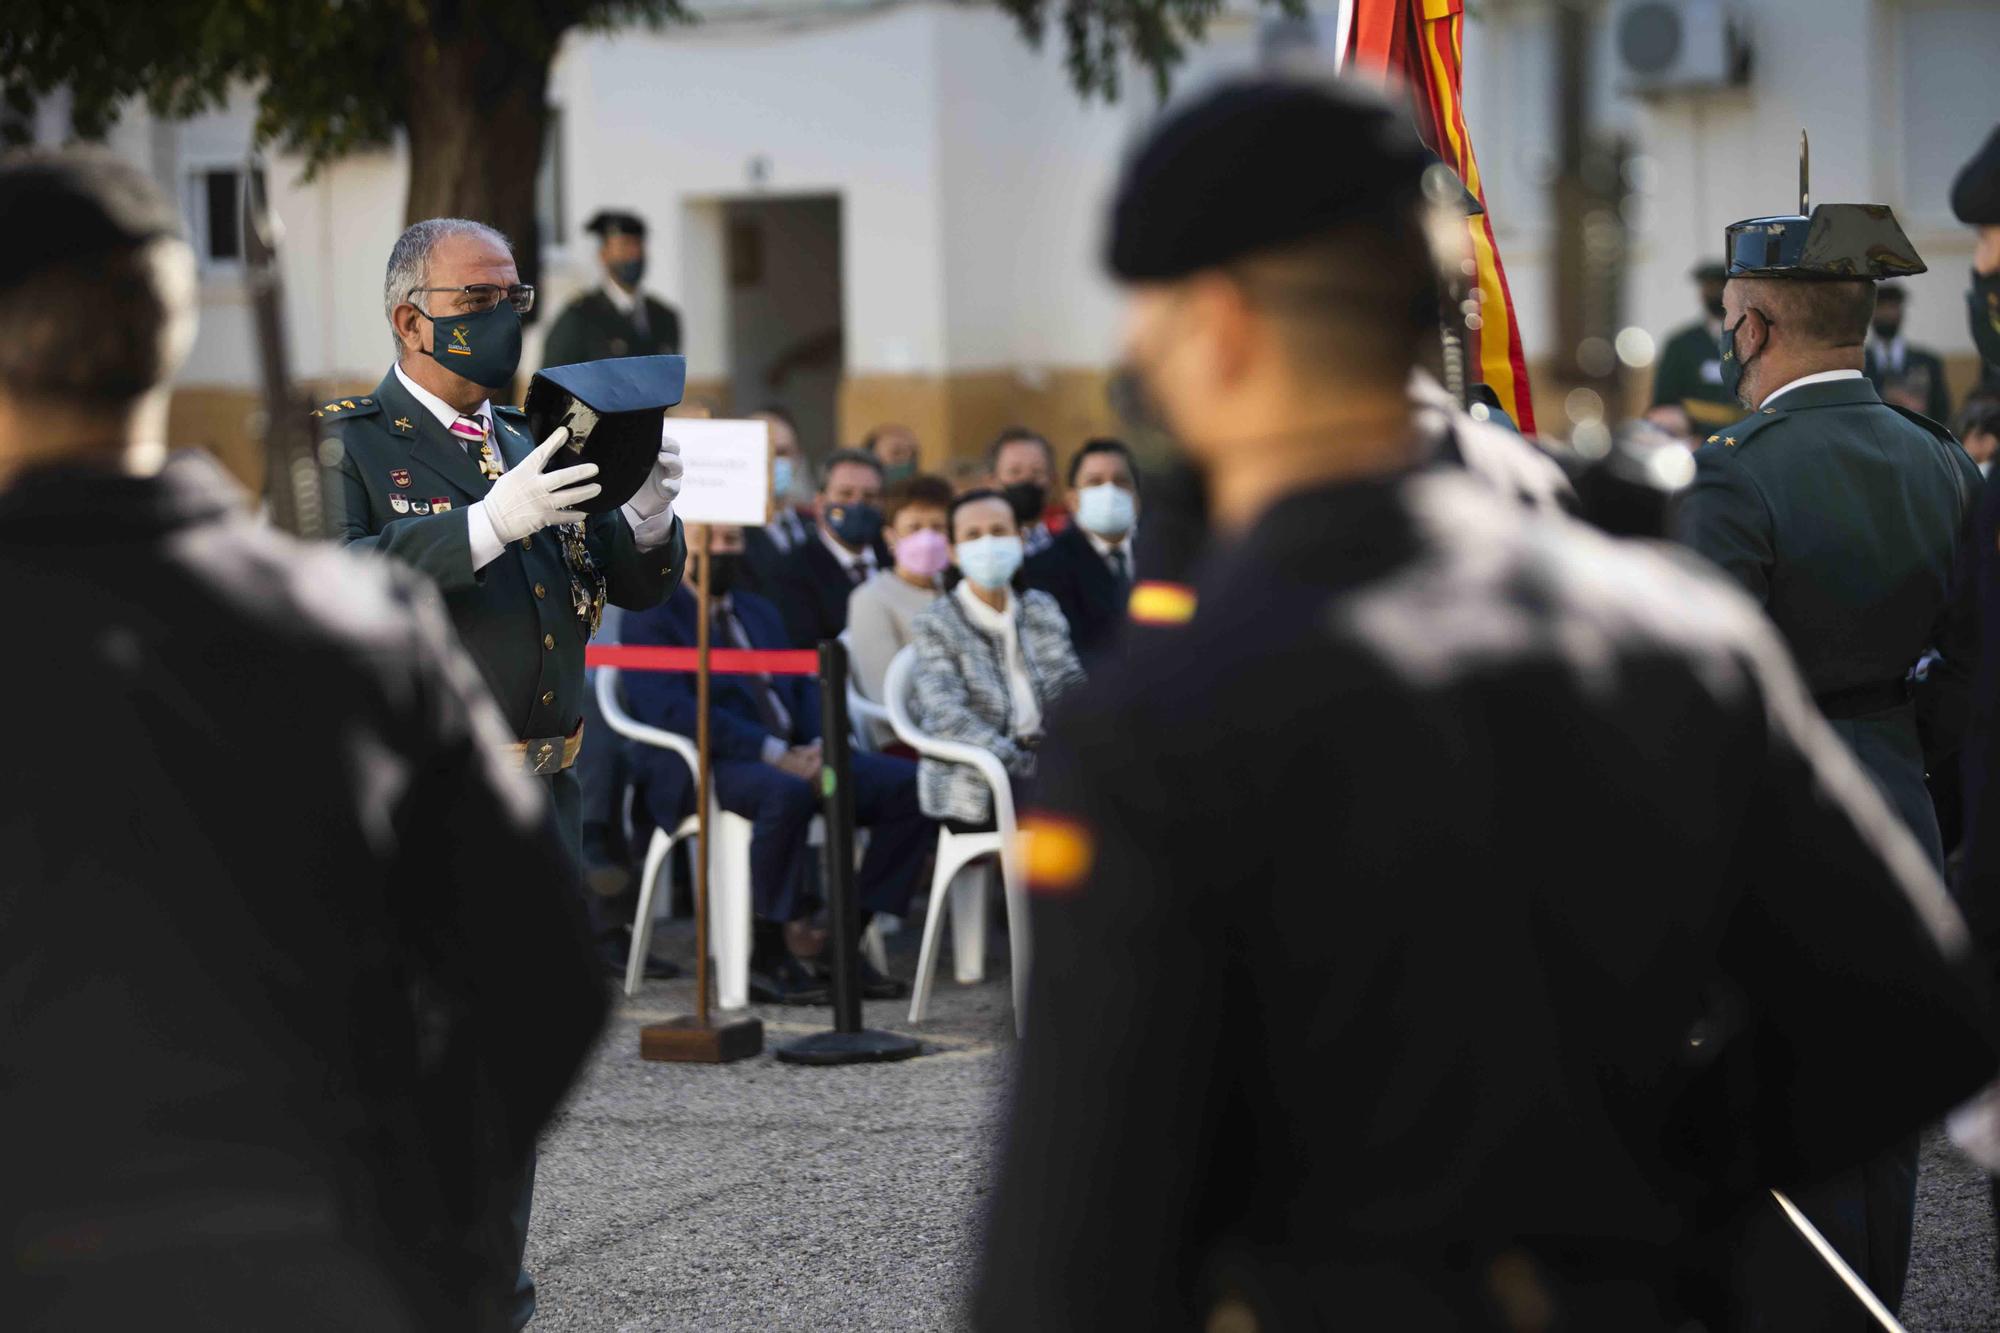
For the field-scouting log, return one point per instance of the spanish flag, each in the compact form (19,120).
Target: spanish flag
(1419,43)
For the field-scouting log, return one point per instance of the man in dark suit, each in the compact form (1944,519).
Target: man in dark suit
(616,319)
(840,554)
(765,741)
(1087,567)
(1903,373)
(765,549)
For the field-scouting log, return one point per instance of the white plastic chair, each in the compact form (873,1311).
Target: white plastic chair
(863,713)
(729,910)
(956,853)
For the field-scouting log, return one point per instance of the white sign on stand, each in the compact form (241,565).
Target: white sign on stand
(728,470)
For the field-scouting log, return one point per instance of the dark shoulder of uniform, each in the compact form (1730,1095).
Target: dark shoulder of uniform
(343,409)
(1937,430)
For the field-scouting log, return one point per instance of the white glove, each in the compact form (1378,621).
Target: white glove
(526,499)
(651,511)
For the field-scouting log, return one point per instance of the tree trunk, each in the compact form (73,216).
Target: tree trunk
(478,111)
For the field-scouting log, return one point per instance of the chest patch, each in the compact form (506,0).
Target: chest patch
(400,477)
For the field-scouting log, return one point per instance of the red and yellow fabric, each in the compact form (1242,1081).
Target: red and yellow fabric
(1420,43)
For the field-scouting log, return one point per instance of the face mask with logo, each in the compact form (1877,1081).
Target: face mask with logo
(484,347)
(1027,499)
(856,525)
(924,553)
(627,272)
(1105,510)
(1982,305)
(990,562)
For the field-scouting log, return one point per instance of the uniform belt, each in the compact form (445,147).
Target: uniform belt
(1861,700)
(549,754)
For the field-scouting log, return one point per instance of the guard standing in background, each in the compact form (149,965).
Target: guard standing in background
(433,473)
(617,318)
(1840,515)
(1901,371)
(291,972)
(1689,397)
(1496,1096)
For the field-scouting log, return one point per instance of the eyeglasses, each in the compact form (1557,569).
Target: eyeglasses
(480,297)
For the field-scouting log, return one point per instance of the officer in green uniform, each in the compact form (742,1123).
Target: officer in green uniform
(1689,378)
(617,319)
(1840,515)
(432,472)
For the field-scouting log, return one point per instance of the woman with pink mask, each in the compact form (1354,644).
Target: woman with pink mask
(880,611)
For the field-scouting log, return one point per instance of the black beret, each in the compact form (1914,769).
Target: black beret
(1261,162)
(611,222)
(77,204)
(1975,195)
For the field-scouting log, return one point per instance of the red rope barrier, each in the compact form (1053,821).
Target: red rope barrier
(721,661)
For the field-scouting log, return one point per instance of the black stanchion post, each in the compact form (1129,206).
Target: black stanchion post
(849,1043)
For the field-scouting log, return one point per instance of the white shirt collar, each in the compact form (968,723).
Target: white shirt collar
(618,296)
(439,408)
(1104,547)
(848,559)
(1822,377)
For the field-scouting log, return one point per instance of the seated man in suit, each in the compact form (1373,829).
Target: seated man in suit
(764,741)
(837,556)
(1087,568)
(1904,373)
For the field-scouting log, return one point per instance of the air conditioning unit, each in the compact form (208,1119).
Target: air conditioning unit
(1678,46)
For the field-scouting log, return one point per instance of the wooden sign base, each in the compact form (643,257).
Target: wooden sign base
(688,1040)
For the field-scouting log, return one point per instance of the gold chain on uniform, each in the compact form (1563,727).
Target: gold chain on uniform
(586,584)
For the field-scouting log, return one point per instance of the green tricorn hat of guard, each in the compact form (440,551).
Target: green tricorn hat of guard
(1832,241)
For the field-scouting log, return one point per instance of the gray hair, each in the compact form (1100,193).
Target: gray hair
(410,260)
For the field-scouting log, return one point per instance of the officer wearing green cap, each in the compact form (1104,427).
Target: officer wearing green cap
(1840,514)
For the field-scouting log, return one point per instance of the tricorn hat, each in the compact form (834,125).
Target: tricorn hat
(613,409)
(1834,241)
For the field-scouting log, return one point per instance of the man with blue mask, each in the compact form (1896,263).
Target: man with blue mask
(434,473)
(843,552)
(617,318)
(1087,567)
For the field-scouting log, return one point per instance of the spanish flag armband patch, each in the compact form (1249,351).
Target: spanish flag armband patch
(1057,853)
(1156,603)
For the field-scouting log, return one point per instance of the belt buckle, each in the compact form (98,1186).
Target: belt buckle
(545,756)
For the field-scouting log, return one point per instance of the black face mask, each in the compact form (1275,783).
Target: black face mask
(1715,308)
(1028,499)
(722,571)
(1887,329)
(1982,306)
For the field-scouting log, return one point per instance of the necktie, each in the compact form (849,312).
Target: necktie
(472,431)
(1121,566)
(770,713)
(857,573)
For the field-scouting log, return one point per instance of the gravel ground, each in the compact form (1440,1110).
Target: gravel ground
(761,1196)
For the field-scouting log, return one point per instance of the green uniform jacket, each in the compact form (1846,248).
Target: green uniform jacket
(590,328)
(1690,378)
(514,616)
(1840,514)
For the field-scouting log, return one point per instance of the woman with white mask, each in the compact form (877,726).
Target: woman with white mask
(992,660)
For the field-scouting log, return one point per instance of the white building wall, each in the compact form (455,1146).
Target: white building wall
(1027,171)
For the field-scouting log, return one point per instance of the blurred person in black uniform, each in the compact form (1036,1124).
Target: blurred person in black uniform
(1088,566)
(1902,372)
(617,318)
(291,970)
(1497,1089)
